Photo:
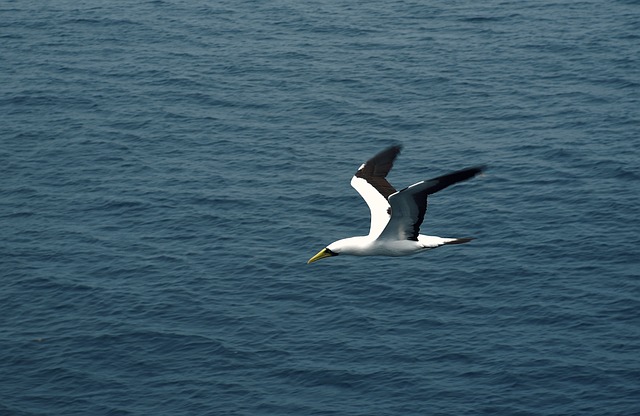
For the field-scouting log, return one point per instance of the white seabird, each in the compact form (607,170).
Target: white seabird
(396,216)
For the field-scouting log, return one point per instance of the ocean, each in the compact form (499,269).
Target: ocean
(169,166)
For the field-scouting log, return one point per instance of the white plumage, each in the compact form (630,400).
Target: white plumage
(396,216)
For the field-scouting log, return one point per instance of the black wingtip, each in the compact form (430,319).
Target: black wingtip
(434,185)
(474,170)
(390,152)
(382,162)
(463,175)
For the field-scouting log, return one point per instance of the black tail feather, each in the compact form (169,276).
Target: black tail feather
(460,240)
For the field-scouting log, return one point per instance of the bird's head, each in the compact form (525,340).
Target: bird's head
(329,251)
(352,245)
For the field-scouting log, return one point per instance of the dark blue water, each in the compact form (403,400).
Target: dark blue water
(169,166)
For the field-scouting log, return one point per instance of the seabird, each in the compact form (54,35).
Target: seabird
(396,216)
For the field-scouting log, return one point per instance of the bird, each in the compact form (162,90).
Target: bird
(396,216)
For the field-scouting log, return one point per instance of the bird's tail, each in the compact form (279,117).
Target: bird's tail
(458,240)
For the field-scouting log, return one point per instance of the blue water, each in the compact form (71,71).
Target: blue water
(169,166)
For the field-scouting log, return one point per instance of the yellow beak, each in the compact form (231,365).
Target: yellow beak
(322,254)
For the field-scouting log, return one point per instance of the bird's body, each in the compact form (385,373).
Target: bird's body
(396,216)
(368,246)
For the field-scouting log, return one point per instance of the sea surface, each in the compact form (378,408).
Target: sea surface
(169,166)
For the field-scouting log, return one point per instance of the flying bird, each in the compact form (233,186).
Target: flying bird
(396,216)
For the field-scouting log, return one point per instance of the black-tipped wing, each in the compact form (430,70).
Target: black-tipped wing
(371,183)
(376,169)
(409,205)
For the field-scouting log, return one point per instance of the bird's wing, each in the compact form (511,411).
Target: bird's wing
(409,205)
(371,183)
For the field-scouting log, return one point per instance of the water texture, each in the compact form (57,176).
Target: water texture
(168,167)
